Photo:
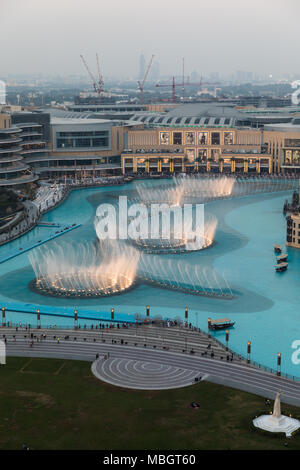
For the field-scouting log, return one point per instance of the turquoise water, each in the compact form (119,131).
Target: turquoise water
(266,305)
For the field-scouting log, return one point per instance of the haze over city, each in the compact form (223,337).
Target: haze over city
(48,37)
(149,229)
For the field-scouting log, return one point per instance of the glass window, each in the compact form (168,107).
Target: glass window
(190,155)
(288,156)
(202,155)
(202,138)
(190,138)
(215,154)
(177,138)
(296,157)
(292,142)
(215,138)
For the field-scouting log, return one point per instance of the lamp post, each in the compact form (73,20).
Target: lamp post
(3,316)
(112,314)
(137,316)
(38,318)
(208,326)
(186,314)
(279,364)
(148,311)
(227,339)
(75,319)
(248,351)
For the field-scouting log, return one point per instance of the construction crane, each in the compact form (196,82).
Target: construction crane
(141,84)
(100,76)
(182,85)
(97,85)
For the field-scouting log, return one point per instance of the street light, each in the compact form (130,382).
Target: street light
(3,316)
(279,364)
(196,319)
(227,339)
(75,319)
(38,318)
(248,352)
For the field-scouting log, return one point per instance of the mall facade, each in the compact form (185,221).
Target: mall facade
(129,140)
(196,149)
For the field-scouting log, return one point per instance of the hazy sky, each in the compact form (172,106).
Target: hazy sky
(217,35)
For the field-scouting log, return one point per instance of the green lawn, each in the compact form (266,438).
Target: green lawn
(58,404)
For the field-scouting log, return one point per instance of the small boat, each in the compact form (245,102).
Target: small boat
(277,248)
(282,257)
(280,267)
(221,324)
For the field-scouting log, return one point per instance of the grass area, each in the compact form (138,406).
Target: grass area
(58,404)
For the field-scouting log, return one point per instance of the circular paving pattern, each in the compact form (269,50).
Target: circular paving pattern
(145,375)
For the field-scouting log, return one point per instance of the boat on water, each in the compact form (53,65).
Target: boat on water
(281,258)
(277,248)
(220,324)
(280,267)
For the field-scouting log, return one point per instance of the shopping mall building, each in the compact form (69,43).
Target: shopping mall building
(198,137)
(214,138)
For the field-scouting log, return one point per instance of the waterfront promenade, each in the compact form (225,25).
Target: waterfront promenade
(151,357)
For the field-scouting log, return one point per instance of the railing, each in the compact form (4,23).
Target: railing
(111,329)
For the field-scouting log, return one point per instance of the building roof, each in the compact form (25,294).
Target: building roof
(77,121)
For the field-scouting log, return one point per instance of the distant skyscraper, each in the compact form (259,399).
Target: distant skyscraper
(142,67)
(154,71)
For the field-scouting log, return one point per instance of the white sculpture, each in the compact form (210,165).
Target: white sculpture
(277,422)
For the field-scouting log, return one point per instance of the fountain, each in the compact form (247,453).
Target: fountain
(110,268)
(174,244)
(277,422)
(181,276)
(186,188)
(84,270)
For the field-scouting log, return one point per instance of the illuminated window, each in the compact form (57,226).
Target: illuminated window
(190,138)
(202,138)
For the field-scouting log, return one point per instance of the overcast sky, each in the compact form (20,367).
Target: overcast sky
(41,36)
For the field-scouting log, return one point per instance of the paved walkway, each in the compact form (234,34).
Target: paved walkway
(145,368)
